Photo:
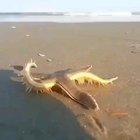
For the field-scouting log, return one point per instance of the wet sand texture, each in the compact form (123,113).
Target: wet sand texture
(112,49)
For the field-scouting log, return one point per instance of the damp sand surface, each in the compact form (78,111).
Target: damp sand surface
(112,48)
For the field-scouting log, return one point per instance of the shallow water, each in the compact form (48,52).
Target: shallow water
(68,19)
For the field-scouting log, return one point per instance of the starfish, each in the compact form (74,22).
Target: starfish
(66,80)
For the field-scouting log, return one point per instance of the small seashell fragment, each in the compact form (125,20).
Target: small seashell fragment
(40,54)
(27,35)
(49,60)
(13,27)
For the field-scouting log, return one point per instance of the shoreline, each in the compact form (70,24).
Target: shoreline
(68,19)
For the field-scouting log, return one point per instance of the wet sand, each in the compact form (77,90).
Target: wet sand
(112,48)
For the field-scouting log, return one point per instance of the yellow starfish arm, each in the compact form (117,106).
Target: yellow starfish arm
(82,77)
(48,84)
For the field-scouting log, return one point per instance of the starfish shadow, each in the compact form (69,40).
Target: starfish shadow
(34,118)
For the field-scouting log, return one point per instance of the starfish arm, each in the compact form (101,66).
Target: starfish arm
(49,84)
(84,99)
(87,68)
(82,77)
(32,82)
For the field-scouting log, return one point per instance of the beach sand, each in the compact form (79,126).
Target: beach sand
(112,48)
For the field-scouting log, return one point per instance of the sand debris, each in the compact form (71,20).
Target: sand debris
(16,67)
(135,52)
(49,60)
(13,27)
(40,54)
(27,35)
(117,114)
(43,55)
